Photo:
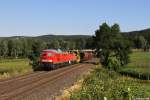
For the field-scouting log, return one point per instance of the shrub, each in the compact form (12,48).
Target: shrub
(108,84)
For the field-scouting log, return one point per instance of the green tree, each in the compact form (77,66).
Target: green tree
(112,47)
(141,43)
(89,43)
(24,47)
(14,46)
(80,43)
(136,42)
(30,43)
(3,48)
(37,47)
(66,45)
(54,44)
(71,45)
(11,47)
(18,47)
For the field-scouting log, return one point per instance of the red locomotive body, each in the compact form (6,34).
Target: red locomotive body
(51,59)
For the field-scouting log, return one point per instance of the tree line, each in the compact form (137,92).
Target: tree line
(24,47)
(139,39)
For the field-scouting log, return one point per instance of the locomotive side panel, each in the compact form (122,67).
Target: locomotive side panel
(51,60)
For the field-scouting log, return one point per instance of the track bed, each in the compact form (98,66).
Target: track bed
(41,85)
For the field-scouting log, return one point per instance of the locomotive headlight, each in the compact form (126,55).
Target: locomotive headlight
(50,61)
(47,60)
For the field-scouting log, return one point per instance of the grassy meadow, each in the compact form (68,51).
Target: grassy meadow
(13,67)
(139,65)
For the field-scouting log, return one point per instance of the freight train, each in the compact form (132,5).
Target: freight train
(51,59)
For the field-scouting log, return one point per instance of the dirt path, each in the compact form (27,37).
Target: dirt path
(41,85)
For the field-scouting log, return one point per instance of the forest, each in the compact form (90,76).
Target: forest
(22,46)
(14,47)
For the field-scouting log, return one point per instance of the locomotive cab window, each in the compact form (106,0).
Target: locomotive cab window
(49,54)
(44,54)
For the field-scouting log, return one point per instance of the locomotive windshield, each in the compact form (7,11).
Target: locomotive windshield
(49,54)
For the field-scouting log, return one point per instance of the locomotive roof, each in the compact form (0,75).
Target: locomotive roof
(54,50)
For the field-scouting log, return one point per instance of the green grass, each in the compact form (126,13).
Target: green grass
(140,59)
(13,67)
(139,66)
(102,83)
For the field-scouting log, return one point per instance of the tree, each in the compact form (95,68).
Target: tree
(25,48)
(18,47)
(54,44)
(141,43)
(10,48)
(80,43)
(71,45)
(65,45)
(14,47)
(137,43)
(89,43)
(3,48)
(37,47)
(112,47)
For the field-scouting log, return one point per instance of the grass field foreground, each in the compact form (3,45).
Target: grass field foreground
(13,67)
(103,84)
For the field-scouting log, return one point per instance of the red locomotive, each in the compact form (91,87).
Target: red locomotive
(51,59)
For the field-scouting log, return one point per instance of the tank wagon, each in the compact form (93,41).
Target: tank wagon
(52,59)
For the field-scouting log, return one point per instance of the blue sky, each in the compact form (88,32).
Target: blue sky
(39,17)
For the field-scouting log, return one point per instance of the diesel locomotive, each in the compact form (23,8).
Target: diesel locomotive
(52,59)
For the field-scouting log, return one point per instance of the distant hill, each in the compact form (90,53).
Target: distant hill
(15,37)
(144,32)
(132,34)
(50,37)
(66,37)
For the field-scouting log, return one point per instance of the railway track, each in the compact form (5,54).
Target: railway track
(23,86)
